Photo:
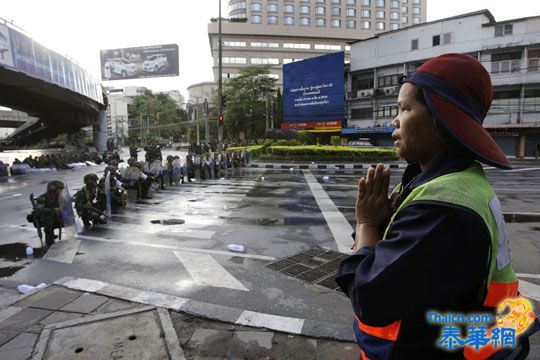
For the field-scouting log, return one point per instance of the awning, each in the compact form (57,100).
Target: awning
(369,130)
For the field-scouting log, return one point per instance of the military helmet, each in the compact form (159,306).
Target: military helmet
(88,178)
(131,161)
(110,169)
(54,185)
(113,163)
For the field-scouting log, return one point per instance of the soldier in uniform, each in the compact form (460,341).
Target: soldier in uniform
(49,211)
(85,202)
(153,152)
(118,193)
(133,150)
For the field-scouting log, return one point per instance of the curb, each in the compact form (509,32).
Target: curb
(209,311)
(521,217)
(323,166)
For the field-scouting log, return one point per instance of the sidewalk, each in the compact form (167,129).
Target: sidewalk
(60,322)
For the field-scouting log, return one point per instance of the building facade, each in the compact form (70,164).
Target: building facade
(509,50)
(280,32)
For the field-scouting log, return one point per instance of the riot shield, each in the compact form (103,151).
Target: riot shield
(176,171)
(108,209)
(131,173)
(155,168)
(68,231)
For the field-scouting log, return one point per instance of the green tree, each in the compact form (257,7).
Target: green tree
(165,117)
(248,98)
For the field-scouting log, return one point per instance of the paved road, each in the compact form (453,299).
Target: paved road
(273,213)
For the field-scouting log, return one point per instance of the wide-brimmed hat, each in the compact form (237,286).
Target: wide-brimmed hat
(458,91)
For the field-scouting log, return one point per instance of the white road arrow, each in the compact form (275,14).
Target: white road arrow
(206,271)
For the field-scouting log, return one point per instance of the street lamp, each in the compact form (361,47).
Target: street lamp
(220,76)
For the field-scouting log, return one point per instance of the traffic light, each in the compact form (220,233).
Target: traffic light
(221,119)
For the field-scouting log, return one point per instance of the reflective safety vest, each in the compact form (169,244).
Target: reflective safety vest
(465,189)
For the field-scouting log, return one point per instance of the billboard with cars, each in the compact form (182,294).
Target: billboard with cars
(139,62)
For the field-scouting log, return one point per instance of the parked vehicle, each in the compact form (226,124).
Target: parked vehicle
(362,142)
(121,66)
(155,62)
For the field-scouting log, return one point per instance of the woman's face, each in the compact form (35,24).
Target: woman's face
(415,136)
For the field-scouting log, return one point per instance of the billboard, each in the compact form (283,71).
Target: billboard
(314,91)
(139,62)
(20,53)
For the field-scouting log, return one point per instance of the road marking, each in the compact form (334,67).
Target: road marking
(523,169)
(529,290)
(530,276)
(192,233)
(63,251)
(274,322)
(338,224)
(180,248)
(206,271)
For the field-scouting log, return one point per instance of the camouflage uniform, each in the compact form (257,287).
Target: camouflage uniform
(85,200)
(48,210)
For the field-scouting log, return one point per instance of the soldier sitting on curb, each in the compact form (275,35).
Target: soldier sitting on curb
(85,202)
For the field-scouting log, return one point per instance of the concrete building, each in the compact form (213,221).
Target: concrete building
(509,50)
(279,32)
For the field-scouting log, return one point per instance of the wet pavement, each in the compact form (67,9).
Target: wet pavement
(273,213)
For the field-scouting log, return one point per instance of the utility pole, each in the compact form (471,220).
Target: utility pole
(206,128)
(196,116)
(220,82)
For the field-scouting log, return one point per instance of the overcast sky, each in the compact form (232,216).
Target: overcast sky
(80,29)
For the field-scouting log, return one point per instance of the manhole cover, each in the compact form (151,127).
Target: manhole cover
(315,266)
(168,221)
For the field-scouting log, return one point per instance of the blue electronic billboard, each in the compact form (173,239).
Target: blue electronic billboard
(314,90)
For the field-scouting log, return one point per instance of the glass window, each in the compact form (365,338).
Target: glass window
(416,10)
(379,14)
(327,47)
(272,8)
(416,2)
(233,60)
(237,5)
(351,2)
(394,26)
(379,26)
(320,22)
(288,20)
(242,15)
(394,15)
(416,20)
(304,9)
(336,11)
(404,9)
(336,23)
(265,61)
(366,2)
(447,38)
(366,25)
(347,47)
(404,19)
(366,13)
(296,46)
(272,20)
(234,43)
(264,44)
(256,19)
(351,24)
(335,1)
(288,8)
(405,1)
(414,44)
(502,30)
(436,40)
(351,12)
(380,3)
(320,1)
(320,10)
(304,21)
(394,4)
(256,7)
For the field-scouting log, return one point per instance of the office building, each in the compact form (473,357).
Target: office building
(509,50)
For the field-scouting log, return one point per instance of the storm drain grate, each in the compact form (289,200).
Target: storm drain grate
(315,266)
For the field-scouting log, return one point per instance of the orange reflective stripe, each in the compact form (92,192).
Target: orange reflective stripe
(483,353)
(499,291)
(389,332)
(363,355)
